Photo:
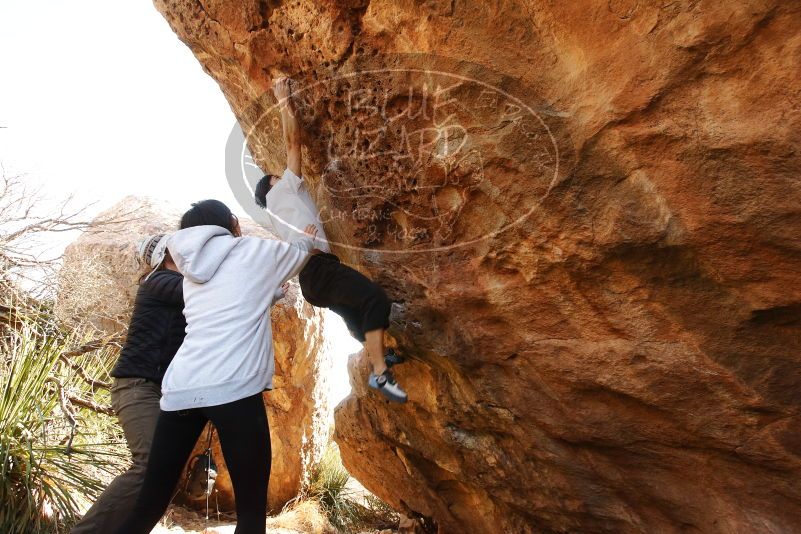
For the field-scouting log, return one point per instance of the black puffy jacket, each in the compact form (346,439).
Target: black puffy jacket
(157,328)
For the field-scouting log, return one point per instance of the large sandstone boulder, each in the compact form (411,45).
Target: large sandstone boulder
(98,285)
(100,274)
(588,213)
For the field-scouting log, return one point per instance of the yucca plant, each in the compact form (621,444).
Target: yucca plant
(328,484)
(47,459)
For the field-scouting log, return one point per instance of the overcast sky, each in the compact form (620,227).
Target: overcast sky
(101,98)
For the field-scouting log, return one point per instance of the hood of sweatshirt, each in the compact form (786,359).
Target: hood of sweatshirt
(199,251)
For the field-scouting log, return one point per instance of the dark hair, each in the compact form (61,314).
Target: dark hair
(208,212)
(262,188)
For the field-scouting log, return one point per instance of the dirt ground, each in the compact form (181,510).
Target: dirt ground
(305,518)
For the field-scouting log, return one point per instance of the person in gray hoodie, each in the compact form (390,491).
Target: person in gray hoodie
(225,363)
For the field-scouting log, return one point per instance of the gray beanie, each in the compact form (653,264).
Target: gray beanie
(151,251)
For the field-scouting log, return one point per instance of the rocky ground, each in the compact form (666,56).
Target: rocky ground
(305,518)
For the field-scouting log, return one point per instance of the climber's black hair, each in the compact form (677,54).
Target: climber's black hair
(262,188)
(208,212)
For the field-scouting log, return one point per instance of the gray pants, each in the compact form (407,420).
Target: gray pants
(136,403)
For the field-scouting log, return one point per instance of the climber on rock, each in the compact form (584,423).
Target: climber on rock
(326,282)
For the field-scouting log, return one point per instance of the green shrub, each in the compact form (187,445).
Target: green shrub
(47,457)
(330,485)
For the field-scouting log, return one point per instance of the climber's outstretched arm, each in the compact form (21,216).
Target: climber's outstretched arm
(283,92)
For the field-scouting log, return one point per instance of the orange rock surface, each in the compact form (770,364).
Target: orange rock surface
(589,214)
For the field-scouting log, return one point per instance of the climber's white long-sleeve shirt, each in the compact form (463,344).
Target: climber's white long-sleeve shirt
(290,209)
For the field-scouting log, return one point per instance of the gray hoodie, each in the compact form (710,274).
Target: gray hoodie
(229,286)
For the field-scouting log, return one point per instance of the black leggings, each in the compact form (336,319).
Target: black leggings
(327,283)
(245,440)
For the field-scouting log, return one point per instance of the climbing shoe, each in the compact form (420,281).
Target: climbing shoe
(386,384)
(393,358)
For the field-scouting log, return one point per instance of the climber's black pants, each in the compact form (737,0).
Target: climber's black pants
(245,440)
(327,283)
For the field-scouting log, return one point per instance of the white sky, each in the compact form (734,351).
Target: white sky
(100,98)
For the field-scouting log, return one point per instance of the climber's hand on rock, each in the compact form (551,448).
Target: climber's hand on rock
(281,89)
(311,231)
(281,293)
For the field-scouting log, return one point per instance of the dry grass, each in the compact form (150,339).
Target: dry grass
(302,516)
(348,509)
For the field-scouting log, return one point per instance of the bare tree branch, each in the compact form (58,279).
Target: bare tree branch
(65,409)
(95,407)
(25,224)
(88,347)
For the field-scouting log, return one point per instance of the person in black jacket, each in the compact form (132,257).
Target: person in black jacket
(156,331)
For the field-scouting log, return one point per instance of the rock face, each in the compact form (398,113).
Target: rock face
(590,216)
(99,281)
(100,274)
